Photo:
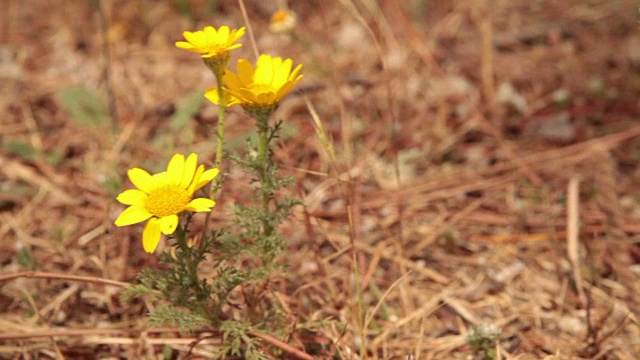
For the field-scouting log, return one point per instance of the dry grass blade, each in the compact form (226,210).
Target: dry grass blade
(373,311)
(46,275)
(573,231)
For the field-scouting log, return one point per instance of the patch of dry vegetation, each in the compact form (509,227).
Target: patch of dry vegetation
(486,172)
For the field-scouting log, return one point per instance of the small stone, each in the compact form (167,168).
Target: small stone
(556,127)
(508,95)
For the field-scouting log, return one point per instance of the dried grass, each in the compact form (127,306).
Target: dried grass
(455,209)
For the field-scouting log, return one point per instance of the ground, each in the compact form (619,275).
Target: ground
(485,173)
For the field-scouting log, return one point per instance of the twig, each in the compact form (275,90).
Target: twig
(135,331)
(106,52)
(573,215)
(483,22)
(548,236)
(48,275)
(368,320)
(34,334)
(283,346)
(247,23)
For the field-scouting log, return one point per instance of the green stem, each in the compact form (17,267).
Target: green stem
(201,293)
(192,270)
(265,164)
(222,108)
(221,111)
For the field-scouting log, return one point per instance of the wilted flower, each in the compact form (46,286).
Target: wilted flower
(283,20)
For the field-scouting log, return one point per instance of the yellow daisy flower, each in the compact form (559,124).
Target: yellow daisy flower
(262,86)
(211,42)
(161,197)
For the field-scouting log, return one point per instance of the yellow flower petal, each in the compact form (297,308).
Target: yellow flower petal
(264,70)
(245,72)
(151,235)
(141,179)
(205,178)
(168,224)
(200,205)
(185,45)
(189,170)
(284,90)
(196,178)
(212,95)
(223,34)
(210,32)
(192,37)
(240,32)
(232,80)
(132,196)
(175,169)
(294,75)
(281,72)
(132,215)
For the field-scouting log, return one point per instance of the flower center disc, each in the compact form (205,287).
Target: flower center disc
(167,201)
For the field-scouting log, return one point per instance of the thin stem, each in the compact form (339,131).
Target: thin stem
(247,23)
(265,164)
(189,259)
(221,112)
(263,148)
(222,108)
(201,293)
(108,76)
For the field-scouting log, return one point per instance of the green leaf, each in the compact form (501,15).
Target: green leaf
(21,149)
(168,315)
(136,291)
(26,259)
(84,105)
